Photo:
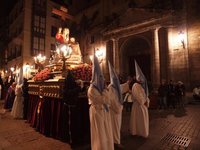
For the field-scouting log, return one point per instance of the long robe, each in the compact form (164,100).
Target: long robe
(9,98)
(17,109)
(116,110)
(139,121)
(100,121)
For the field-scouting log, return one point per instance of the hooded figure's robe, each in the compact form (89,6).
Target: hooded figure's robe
(100,121)
(139,121)
(116,110)
(17,109)
(116,113)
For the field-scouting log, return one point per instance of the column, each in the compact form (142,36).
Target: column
(155,60)
(116,60)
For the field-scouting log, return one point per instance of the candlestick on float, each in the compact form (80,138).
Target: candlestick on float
(64,52)
(39,61)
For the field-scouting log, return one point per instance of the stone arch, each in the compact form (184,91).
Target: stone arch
(139,48)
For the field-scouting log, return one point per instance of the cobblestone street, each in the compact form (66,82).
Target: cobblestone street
(18,135)
(180,122)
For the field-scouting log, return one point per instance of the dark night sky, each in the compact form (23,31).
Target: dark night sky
(5,6)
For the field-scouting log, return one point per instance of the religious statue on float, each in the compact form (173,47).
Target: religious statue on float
(73,49)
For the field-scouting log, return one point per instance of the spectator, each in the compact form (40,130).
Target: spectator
(180,92)
(10,97)
(162,94)
(196,93)
(26,98)
(7,84)
(128,100)
(171,95)
(1,87)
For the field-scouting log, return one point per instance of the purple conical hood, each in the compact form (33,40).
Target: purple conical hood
(97,76)
(140,77)
(114,81)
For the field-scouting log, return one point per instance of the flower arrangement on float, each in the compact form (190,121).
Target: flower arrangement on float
(83,72)
(42,75)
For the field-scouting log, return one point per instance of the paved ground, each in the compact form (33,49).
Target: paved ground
(18,135)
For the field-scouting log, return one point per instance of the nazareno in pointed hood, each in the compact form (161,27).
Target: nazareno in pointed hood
(114,81)
(20,77)
(98,80)
(141,78)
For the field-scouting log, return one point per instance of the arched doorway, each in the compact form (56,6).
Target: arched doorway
(135,48)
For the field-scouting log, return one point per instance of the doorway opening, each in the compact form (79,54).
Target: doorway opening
(139,49)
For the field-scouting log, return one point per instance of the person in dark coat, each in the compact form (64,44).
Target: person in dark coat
(7,84)
(171,99)
(1,87)
(180,92)
(10,97)
(26,98)
(162,94)
(69,120)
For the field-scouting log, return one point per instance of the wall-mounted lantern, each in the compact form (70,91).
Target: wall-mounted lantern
(181,38)
(12,69)
(99,54)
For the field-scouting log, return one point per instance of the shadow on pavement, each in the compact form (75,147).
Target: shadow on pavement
(132,142)
(164,113)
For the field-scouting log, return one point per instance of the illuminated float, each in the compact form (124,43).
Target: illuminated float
(48,108)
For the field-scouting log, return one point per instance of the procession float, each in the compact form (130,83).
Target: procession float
(50,110)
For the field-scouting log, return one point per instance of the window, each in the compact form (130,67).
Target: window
(39,24)
(35,43)
(41,44)
(53,31)
(42,22)
(38,27)
(38,45)
(40,3)
(36,21)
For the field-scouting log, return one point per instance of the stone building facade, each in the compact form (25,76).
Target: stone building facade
(32,29)
(161,36)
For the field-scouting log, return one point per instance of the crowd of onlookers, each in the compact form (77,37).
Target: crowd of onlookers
(171,94)
(14,92)
(7,91)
